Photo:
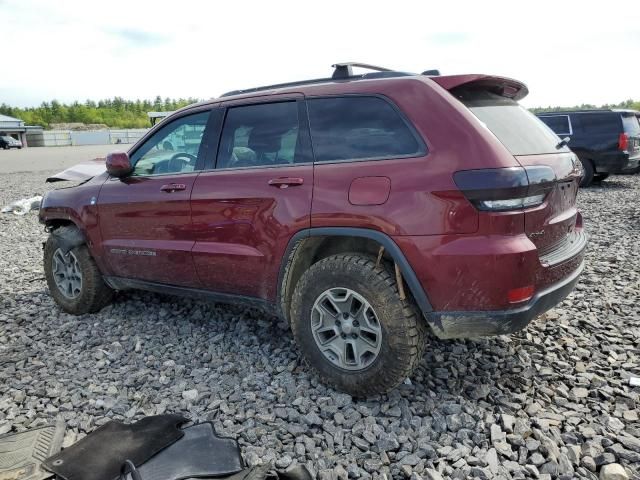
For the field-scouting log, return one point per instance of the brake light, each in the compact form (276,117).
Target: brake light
(504,189)
(522,294)
(623,142)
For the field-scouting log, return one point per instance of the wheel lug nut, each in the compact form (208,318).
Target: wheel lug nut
(337,323)
(354,336)
(356,323)
(344,335)
(345,315)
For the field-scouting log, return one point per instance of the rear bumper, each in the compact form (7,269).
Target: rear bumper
(617,163)
(486,323)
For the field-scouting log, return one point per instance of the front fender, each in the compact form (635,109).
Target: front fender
(77,206)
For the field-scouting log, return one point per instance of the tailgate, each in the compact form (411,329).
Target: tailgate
(631,126)
(551,226)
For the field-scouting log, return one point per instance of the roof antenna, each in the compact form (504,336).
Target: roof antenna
(431,73)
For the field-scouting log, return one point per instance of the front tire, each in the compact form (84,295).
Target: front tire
(353,328)
(74,281)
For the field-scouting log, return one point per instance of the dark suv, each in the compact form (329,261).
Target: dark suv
(360,208)
(606,141)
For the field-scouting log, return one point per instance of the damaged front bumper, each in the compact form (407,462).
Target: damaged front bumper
(469,324)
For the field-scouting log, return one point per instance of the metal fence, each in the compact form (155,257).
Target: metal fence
(59,138)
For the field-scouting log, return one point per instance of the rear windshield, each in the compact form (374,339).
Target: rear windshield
(518,129)
(631,125)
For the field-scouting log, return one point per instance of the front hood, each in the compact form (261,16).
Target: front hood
(80,172)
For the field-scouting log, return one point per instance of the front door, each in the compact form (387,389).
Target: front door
(247,208)
(145,218)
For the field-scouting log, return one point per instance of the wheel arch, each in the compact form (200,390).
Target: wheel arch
(67,232)
(310,245)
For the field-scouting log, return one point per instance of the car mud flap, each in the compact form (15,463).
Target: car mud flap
(99,455)
(21,454)
(200,453)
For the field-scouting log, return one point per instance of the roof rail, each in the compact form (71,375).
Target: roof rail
(342,71)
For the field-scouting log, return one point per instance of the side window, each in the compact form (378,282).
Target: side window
(260,135)
(174,148)
(558,123)
(352,128)
(600,123)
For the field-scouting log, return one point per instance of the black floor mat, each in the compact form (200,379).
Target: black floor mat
(21,454)
(99,455)
(200,453)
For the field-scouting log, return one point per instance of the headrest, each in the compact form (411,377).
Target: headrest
(265,139)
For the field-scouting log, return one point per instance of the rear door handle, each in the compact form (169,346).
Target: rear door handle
(173,187)
(285,182)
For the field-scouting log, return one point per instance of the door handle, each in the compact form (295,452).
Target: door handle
(173,187)
(285,182)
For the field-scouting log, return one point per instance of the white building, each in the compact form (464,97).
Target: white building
(14,127)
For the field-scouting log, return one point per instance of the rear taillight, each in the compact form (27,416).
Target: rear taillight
(623,142)
(503,189)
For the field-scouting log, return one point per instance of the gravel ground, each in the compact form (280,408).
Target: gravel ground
(553,401)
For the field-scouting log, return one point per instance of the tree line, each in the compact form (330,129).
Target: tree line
(630,104)
(120,113)
(114,112)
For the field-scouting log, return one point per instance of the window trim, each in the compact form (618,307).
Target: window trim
(423,149)
(202,148)
(570,132)
(303,133)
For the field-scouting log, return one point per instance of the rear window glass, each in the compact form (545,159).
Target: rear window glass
(631,125)
(599,123)
(518,129)
(558,123)
(353,128)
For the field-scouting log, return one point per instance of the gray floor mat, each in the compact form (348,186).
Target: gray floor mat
(200,453)
(21,454)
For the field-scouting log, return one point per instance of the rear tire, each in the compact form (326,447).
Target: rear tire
(386,333)
(588,172)
(86,292)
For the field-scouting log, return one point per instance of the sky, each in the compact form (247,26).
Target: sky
(568,53)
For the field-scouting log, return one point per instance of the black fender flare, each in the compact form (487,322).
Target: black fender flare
(383,239)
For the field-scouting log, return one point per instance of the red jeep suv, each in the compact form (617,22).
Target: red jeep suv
(360,208)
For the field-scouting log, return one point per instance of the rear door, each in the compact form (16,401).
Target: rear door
(145,218)
(246,209)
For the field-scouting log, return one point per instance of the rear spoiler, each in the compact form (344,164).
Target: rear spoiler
(503,86)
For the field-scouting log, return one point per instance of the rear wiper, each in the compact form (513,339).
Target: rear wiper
(562,143)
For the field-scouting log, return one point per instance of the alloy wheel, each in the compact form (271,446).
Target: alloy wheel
(67,274)
(346,329)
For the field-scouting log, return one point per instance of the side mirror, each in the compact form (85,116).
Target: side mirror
(118,164)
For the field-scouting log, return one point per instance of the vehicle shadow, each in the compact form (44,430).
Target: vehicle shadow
(227,342)
(449,370)
(609,184)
